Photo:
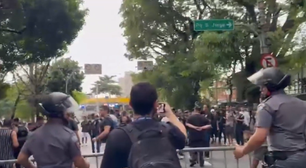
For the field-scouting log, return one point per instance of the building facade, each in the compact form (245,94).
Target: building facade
(219,92)
(126,84)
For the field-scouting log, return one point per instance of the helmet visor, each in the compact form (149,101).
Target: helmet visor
(73,105)
(257,78)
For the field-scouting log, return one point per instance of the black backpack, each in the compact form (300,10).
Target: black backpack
(22,134)
(151,148)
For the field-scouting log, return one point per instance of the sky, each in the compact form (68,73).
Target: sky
(101,41)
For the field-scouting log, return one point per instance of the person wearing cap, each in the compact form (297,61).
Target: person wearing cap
(54,144)
(281,120)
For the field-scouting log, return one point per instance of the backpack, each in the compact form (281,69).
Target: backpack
(114,124)
(151,148)
(22,134)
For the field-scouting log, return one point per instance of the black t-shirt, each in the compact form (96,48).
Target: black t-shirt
(118,144)
(221,120)
(240,117)
(107,121)
(197,120)
(73,125)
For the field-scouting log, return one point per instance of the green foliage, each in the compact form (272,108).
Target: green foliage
(106,84)
(241,46)
(65,72)
(163,31)
(3,88)
(38,30)
(6,108)
(79,96)
(12,103)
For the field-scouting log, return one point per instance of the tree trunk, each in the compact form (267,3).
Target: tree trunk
(195,96)
(15,106)
(32,87)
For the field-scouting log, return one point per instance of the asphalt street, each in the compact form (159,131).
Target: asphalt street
(217,159)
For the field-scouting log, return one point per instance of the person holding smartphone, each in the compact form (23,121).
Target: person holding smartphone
(144,101)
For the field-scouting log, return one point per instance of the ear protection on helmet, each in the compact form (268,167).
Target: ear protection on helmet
(283,83)
(55,110)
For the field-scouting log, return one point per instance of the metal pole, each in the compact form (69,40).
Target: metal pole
(263,28)
(67,81)
(97,92)
(66,86)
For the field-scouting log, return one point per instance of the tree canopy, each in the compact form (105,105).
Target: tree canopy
(35,31)
(79,96)
(106,84)
(65,75)
(32,34)
(16,102)
(184,59)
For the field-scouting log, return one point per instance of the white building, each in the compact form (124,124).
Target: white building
(126,84)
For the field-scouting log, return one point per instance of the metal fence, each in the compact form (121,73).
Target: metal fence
(217,162)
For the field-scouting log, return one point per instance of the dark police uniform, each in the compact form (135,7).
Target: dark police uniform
(285,116)
(54,144)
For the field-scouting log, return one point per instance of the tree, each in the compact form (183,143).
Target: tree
(35,31)
(163,30)
(79,96)
(242,46)
(15,104)
(106,84)
(65,75)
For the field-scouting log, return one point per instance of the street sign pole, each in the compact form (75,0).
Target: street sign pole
(265,41)
(97,93)
(94,69)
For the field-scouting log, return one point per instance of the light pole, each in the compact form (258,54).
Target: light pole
(67,80)
(97,93)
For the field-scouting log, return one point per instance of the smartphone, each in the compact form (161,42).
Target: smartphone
(161,108)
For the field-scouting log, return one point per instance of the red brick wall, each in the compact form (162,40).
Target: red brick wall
(220,92)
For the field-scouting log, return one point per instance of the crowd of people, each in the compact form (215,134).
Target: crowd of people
(225,125)
(151,136)
(228,124)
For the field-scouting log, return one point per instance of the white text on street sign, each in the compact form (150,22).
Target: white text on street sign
(214,25)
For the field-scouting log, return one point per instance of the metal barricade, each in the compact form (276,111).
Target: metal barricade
(216,161)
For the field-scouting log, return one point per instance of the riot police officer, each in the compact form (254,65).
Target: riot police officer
(54,144)
(281,119)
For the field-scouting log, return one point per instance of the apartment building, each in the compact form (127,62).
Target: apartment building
(126,84)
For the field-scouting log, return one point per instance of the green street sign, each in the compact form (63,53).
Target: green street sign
(213,25)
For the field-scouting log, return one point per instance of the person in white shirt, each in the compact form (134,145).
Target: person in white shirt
(166,119)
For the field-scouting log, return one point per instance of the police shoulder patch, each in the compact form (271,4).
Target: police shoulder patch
(74,138)
(260,106)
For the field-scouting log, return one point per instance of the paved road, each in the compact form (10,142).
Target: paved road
(216,161)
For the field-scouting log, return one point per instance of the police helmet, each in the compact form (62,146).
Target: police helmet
(272,78)
(57,103)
